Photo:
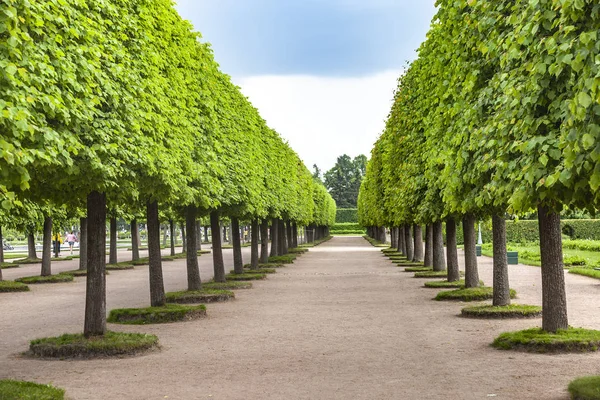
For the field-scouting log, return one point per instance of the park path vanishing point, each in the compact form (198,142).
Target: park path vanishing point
(341,323)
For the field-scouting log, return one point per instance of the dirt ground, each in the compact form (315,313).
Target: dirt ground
(341,323)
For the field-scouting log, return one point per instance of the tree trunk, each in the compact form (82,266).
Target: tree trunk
(408,242)
(164,233)
(83,241)
(451,251)
(382,237)
(428,262)
(439,262)
(554,299)
(135,240)
(47,248)
(1,251)
(501,285)
(471,273)
(198,236)
(95,290)
(264,242)
(157,288)
(295,234)
(418,245)
(283,234)
(183,237)
(31,252)
(172,236)
(112,257)
(193,271)
(400,235)
(254,244)
(275,238)
(206,234)
(238,262)
(289,234)
(217,251)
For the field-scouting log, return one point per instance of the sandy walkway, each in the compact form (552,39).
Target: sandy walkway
(341,323)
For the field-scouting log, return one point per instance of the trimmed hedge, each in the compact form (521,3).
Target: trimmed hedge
(347,227)
(345,215)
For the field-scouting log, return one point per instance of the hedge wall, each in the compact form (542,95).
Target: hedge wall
(347,227)
(345,215)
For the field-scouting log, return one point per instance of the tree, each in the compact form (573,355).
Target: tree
(344,179)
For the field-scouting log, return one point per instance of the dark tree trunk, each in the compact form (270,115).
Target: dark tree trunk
(193,271)
(183,237)
(264,242)
(1,251)
(31,252)
(401,240)
(471,273)
(283,234)
(164,233)
(275,238)
(157,288)
(295,235)
(408,242)
(217,251)
(225,234)
(95,290)
(83,243)
(451,251)
(198,236)
(135,240)
(554,299)
(290,240)
(439,262)
(418,245)
(382,237)
(172,236)
(501,285)
(112,257)
(428,262)
(238,262)
(206,234)
(47,248)
(254,233)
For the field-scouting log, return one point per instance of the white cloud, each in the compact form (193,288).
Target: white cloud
(323,118)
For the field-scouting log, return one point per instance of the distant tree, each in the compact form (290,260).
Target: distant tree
(317,172)
(343,180)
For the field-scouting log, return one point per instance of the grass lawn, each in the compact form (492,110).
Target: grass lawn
(529,254)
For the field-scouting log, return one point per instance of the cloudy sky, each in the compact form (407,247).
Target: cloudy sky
(321,72)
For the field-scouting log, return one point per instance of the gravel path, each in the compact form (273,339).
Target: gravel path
(340,323)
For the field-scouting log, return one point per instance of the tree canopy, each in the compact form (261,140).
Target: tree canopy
(343,180)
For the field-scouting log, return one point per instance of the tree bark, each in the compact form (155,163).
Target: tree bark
(401,240)
(501,285)
(264,242)
(254,233)
(382,237)
(47,248)
(135,240)
(452,251)
(418,245)
(206,234)
(164,233)
(283,234)
(275,238)
(172,236)
(295,234)
(554,298)
(157,288)
(112,257)
(1,251)
(183,237)
(289,234)
(193,271)
(471,273)
(31,251)
(408,242)
(95,290)
(83,241)
(238,262)
(439,262)
(428,262)
(217,251)
(198,236)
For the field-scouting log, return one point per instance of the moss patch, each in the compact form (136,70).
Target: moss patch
(470,294)
(592,273)
(510,311)
(120,266)
(8,265)
(58,278)
(10,287)
(156,315)
(245,277)
(18,390)
(77,346)
(199,296)
(230,285)
(572,340)
(417,269)
(586,388)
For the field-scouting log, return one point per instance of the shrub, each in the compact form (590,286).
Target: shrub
(18,390)
(574,260)
(344,215)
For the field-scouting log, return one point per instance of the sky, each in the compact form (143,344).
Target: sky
(321,72)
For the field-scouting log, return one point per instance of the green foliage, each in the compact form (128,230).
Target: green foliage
(342,228)
(156,315)
(344,179)
(18,390)
(346,215)
(585,388)
(540,341)
(10,286)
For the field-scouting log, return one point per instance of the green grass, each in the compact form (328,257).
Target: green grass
(77,346)
(77,272)
(120,266)
(374,242)
(510,311)
(12,256)
(156,315)
(11,287)
(245,277)
(286,259)
(592,273)
(26,261)
(18,390)
(585,388)
(297,250)
(470,294)
(447,285)
(230,285)
(58,278)
(539,341)
(434,274)
(8,265)
(200,252)
(199,296)
(257,271)
(266,265)
(529,254)
(417,269)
